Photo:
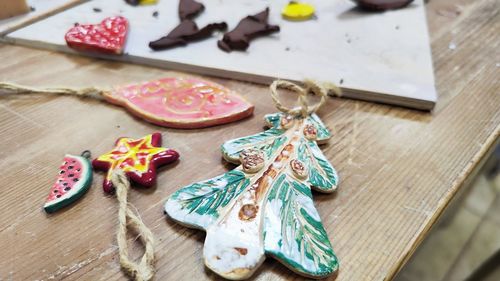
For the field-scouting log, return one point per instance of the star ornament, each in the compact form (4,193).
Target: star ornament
(138,158)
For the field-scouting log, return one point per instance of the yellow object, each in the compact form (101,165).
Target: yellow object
(147,2)
(297,11)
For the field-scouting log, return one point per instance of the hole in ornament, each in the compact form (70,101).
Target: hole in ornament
(242,251)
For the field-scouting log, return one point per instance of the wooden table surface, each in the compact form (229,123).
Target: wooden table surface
(399,168)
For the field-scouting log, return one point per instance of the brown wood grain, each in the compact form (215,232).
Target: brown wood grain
(399,168)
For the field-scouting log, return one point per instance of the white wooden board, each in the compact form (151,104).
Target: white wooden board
(382,57)
(42,9)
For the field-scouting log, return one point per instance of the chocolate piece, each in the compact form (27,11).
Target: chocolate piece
(186,31)
(188,9)
(247,29)
(382,5)
(132,2)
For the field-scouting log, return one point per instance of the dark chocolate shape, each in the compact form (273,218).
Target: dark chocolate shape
(188,9)
(132,2)
(382,5)
(187,31)
(248,28)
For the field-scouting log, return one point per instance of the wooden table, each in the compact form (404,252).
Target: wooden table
(399,168)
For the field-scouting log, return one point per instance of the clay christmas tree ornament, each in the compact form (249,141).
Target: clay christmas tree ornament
(107,37)
(264,207)
(182,102)
(75,178)
(137,158)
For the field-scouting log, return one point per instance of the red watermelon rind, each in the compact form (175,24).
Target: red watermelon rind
(78,189)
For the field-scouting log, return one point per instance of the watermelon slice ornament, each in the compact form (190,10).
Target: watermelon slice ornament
(75,178)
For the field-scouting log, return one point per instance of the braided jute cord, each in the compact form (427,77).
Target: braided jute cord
(144,270)
(90,92)
(310,87)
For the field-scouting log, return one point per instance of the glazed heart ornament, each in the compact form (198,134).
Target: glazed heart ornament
(107,37)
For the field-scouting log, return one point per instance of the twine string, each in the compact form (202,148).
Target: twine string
(304,109)
(90,92)
(127,219)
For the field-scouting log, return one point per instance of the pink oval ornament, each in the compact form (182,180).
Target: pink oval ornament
(186,103)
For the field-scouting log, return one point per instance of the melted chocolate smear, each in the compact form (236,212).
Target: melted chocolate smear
(248,28)
(187,31)
(382,5)
(188,9)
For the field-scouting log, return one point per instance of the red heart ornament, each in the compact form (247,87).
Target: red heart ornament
(107,37)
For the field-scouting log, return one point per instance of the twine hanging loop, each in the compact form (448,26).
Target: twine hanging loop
(90,92)
(144,270)
(304,108)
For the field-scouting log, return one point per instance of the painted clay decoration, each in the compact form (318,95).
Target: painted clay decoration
(247,29)
(189,9)
(187,31)
(137,158)
(382,5)
(107,37)
(182,102)
(296,11)
(269,211)
(141,2)
(75,178)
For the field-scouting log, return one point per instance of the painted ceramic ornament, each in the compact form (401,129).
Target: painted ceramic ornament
(182,102)
(141,2)
(75,178)
(138,158)
(266,210)
(107,37)
(296,11)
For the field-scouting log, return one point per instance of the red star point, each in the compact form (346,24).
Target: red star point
(138,158)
